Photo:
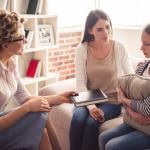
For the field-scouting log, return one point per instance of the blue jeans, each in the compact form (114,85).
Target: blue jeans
(25,134)
(123,137)
(84,129)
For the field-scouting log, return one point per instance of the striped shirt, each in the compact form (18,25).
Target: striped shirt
(143,106)
(11,85)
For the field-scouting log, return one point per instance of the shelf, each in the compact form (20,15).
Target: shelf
(39,41)
(28,80)
(50,76)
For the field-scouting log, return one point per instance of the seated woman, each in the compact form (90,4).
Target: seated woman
(125,137)
(99,61)
(26,126)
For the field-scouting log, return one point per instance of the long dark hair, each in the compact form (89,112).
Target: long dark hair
(91,20)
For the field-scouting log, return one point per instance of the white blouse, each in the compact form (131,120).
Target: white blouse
(11,85)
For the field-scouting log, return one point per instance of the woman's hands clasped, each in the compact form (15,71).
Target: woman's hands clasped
(143,120)
(37,104)
(97,114)
(122,98)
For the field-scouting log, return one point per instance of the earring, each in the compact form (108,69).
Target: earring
(91,37)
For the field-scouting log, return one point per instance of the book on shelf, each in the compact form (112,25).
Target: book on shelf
(32,6)
(89,97)
(34,68)
(29,37)
(39,8)
(26,33)
(3,4)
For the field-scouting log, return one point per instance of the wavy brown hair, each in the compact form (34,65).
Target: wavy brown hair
(9,25)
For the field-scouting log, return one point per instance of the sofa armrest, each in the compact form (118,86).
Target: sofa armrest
(61,118)
(58,87)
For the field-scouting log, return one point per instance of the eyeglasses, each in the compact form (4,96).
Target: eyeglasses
(20,38)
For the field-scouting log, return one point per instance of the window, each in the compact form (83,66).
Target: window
(127,12)
(122,12)
(70,12)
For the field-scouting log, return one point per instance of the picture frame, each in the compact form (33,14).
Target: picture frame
(45,35)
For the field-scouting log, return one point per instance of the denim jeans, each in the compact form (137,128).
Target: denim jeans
(84,129)
(123,137)
(25,133)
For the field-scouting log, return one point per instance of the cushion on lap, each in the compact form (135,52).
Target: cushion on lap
(135,86)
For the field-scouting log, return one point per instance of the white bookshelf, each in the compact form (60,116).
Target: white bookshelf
(22,5)
(36,50)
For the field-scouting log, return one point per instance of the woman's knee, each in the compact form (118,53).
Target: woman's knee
(113,145)
(38,116)
(91,123)
(80,115)
(111,111)
(103,139)
(43,115)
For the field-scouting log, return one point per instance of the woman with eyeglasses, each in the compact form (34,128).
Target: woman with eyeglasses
(27,126)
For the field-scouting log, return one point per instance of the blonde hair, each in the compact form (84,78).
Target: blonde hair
(10,22)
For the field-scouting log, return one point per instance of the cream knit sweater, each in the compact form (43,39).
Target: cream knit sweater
(121,56)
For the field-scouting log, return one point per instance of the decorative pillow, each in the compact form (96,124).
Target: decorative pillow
(135,86)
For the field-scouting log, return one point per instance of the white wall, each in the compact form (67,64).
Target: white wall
(131,39)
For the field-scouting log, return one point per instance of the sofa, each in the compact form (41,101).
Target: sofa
(61,115)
